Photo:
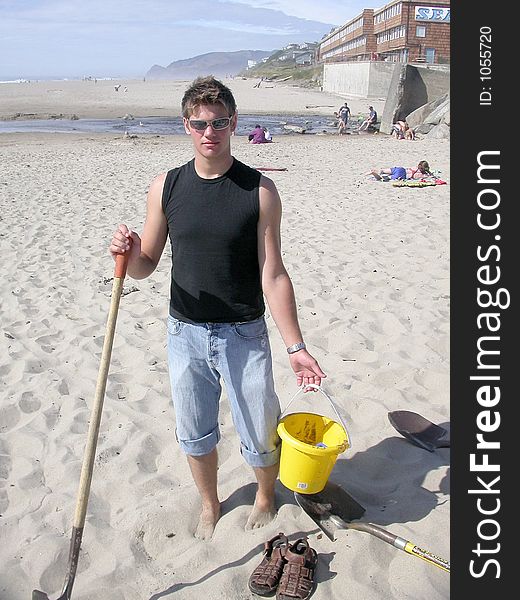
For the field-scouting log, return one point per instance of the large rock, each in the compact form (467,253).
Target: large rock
(439,132)
(411,87)
(431,112)
(423,128)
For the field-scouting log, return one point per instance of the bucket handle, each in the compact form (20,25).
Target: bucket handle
(319,389)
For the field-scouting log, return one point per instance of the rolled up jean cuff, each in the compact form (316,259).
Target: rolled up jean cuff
(266,459)
(201,446)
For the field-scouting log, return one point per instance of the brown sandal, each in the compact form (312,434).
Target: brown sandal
(265,578)
(297,582)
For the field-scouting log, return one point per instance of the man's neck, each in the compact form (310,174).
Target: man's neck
(211,169)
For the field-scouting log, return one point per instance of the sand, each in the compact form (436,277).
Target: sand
(154,98)
(370,267)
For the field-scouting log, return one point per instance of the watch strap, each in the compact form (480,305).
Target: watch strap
(295,347)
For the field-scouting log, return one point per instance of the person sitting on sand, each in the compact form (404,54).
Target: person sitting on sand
(223,219)
(409,133)
(257,136)
(402,131)
(392,173)
(398,129)
(370,121)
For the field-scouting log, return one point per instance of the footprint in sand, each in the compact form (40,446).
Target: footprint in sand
(80,422)
(9,417)
(147,457)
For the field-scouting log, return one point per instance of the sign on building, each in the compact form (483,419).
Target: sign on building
(432,14)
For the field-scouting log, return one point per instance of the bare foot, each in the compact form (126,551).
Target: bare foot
(260,516)
(207,521)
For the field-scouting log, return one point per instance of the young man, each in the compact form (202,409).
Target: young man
(223,221)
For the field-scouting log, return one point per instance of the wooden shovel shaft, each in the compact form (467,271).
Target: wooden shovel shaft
(97,407)
(92,436)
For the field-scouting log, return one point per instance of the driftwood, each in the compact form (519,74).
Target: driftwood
(276,80)
(294,128)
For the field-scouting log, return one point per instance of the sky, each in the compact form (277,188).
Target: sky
(125,38)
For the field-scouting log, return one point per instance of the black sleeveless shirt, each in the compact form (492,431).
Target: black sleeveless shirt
(212,224)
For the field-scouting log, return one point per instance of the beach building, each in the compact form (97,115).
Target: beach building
(400,31)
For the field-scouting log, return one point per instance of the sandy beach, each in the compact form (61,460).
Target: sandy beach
(370,267)
(87,99)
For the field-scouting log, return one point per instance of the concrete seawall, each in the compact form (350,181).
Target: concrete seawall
(361,79)
(405,87)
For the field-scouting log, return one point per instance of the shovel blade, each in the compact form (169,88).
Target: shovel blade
(419,431)
(331,509)
(37,595)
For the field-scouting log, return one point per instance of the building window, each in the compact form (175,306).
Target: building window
(420,31)
(430,55)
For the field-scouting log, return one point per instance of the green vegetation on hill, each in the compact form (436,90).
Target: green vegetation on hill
(275,69)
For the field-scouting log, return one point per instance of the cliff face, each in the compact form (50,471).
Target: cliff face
(219,64)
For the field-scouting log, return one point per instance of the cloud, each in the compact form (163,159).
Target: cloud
(126,37)
(336,12)
(246,27)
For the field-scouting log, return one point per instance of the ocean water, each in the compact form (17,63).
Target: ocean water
(167,126)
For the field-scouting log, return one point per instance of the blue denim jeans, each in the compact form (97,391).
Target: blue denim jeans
(200,357)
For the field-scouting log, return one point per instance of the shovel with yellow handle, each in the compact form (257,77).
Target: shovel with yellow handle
(333,508)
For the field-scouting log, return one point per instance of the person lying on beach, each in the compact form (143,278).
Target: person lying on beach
(392,173)
(223,219)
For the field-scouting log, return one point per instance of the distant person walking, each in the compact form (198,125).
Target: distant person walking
(343,114)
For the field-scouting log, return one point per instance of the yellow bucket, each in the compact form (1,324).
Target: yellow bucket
(311,444)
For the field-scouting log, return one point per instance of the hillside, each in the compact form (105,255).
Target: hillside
(219,64)
(279,67)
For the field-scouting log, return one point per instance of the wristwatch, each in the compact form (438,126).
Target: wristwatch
(295,347)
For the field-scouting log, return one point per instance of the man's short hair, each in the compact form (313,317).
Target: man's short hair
(207,90)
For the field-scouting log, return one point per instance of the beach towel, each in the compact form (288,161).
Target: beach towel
(418,183)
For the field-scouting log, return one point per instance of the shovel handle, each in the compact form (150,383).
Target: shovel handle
(121,265)
(87,466)
(400,543)
(414,550)
(97,406)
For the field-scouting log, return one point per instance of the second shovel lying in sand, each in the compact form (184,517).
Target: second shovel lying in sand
(333,508)
(419,431)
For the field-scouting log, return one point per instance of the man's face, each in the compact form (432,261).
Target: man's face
(208,139)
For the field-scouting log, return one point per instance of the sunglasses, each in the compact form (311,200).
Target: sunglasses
(216,124)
